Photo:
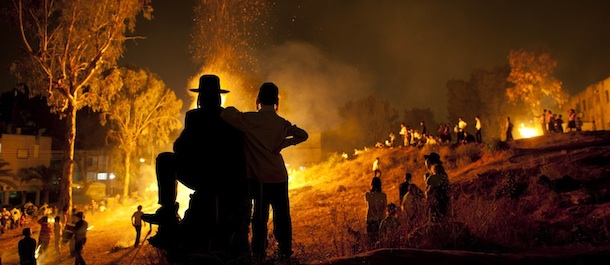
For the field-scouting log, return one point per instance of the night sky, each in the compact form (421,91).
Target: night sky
(401,51)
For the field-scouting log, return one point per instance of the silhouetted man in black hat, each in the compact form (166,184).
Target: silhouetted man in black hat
(208,158)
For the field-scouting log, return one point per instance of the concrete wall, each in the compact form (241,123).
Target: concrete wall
(592,105)
(23,151)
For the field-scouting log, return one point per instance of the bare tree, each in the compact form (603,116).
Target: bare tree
(66,43)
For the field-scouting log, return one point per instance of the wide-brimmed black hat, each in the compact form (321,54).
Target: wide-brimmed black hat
(209,84)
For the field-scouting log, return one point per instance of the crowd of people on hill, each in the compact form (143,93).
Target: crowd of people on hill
(422,136)
(383,220)
(550,123)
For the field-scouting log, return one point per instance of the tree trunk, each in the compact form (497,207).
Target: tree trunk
(65,186)
(127,175)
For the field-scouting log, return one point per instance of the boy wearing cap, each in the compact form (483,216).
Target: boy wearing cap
(266,135)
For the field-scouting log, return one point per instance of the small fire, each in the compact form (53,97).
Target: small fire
(527,132)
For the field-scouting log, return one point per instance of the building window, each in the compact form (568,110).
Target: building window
(607,97)
(102,161)
(91,176)
(92,162)
(584,105)
(102,176)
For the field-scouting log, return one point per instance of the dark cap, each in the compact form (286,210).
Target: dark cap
(209,84)
(268,94)
(79,215)
(433,157)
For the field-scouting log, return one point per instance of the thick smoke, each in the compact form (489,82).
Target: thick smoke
(312,84)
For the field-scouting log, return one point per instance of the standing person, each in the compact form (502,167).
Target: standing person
(376,167)
(16,216)
(5,217)
(509,129)
(571,121)
(477,125)
(550,121)
(559,124)
(542,120)
(57,228)
(436,192)
(45,234)
(389,228)
(422,129)
(27,248)
(461,127)
(410,198)
(266,135)
(80,238)
(136,221)
(405,135)
(403,188)
(376,201)
(437,187)
(208,158)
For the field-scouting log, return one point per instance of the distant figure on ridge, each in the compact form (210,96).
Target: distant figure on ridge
(477,125)
(509,129)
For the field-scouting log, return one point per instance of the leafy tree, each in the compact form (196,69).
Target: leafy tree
(66,43)
(47,175)
(5,172)
(365,122)
(142,112)
(413,116)
(483,95)
(532,76)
